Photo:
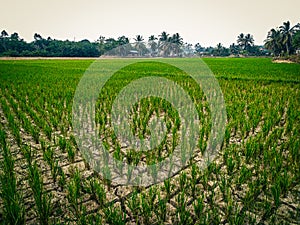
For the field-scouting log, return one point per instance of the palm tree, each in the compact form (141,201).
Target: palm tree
(287,33)
(3,38)
(15,37)
(140,45)
(249,41)
(152,44)
(177,42)
(4,34)
(234,49)
(169,45)
(163,36)
(37,37)
(124,46)
(241,40)
(274,41)
(219,49)
(39,41)
(139,38)
(164,44)
(101,44)
(101,40)
(245,41)
(152,38)
(123,40)
(176,39)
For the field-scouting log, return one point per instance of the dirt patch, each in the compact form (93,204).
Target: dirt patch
(282,61)
(287,59)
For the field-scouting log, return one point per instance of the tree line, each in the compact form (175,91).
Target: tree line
(13,45)
(284,40)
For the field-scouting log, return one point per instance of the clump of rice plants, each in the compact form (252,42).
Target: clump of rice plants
(43,204)
(13,203)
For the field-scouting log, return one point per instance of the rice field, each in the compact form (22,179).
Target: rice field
(254,178)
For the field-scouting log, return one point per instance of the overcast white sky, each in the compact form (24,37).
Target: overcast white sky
(205,21)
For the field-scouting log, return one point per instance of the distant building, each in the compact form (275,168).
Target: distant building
(133,53)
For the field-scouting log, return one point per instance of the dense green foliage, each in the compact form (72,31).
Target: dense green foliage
(13,45)
(283,40)
(254,179)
